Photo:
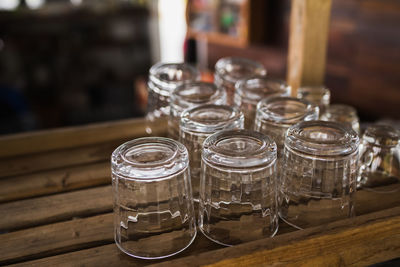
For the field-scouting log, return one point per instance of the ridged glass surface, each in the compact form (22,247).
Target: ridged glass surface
(250,91)
(191,95)
(199,123)
(163,79)
(276,114)
(153,205)
(343,114)
(380,161)
(318,95)
(238,187)
(319,172)
(230,70)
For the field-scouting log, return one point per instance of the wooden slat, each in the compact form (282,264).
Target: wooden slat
(309,26)
(375,239)
(49,209)
(55,181)
(56,238)
(57,159)
(26,143)
(302,244)
(78,234)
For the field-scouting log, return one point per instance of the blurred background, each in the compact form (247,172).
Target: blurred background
(73,62)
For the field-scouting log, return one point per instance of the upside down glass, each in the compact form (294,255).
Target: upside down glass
(250,91)
(192,94)
(238,187)
(380,160)
(196,125)
(343,114)
(319,173)
(230,70)
(276,114)
(163,79)
(153,205)
(318,95)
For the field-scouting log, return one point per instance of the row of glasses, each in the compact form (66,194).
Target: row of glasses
(293,166)
(240,195)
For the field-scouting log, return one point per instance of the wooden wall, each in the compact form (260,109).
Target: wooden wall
(363,65)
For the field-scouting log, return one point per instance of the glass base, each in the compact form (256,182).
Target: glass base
(228,245)
(156,257)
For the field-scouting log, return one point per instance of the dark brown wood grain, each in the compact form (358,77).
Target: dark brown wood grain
(55,181)
(364,240)
(56,238)
(49,209)
(34,163)
(34,142)
(77,235)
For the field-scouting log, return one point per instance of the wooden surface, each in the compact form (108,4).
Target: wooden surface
(309,26)
(61,215)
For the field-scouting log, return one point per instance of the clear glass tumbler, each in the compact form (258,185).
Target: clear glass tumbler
(318,95)
(344,114)
(319,173)
(250,91)
(238,187)
(153,204)
(380,160)
(197,124)
(190,95)
(230,70)
(276,114)
(163,79)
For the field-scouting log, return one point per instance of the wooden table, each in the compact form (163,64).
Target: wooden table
(56,210)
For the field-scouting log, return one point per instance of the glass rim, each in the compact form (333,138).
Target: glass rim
(311,137)
(175,161)
(382,135)
(164,86)
(217,153)
(264,113)
(244,86)
(222,63)
(190,123)
(214,94)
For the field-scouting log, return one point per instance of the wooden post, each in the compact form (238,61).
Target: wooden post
(309,26)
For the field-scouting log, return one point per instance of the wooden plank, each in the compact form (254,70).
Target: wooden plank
(375,225)
(363,241)
(55,181)
(57,159)
(26,143)
(56,238)
(309,26)
(49,209)
(76,235)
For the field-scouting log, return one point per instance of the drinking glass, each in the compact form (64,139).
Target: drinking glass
(163,79)
(153,204)
(319,173)
(318,95)
(276,114)
(230,70)
(250,91)
(238,187)
(196,125)
(344,114)
(190,95)
(380,160)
